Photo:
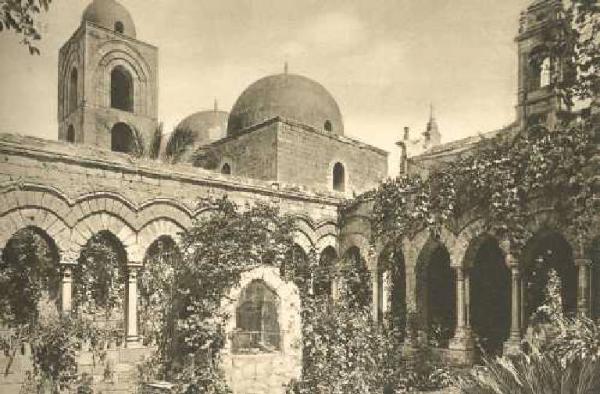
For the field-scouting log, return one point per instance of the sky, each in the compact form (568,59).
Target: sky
(384,61)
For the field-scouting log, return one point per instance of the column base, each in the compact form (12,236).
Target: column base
(463,340)
(133,342)
(512,346)
(461,349)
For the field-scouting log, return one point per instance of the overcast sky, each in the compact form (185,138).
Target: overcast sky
(383,60)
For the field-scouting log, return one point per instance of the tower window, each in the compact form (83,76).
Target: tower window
(539,69)
(121,138)
(339,177)
(121,89)
(119,28)
(226,169)
(257,322)
(71,134)
(72,91)
(545,73)
(328,126)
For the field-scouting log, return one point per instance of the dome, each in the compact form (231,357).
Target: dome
(205,126)
(290,96)
(193,132)
(110,15)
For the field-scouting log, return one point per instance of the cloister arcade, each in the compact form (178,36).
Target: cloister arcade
(458,286)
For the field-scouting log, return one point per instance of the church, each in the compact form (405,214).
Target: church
(282,142)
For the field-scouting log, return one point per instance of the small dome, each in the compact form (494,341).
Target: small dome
(111,15)
(290,96)
(205,126)
(194,132)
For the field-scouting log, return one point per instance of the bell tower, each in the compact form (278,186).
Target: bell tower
(107,82)
(539,69)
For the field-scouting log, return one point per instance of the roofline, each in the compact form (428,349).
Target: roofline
(279,119)
(156,169)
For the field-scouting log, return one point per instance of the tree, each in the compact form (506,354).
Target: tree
(20,16)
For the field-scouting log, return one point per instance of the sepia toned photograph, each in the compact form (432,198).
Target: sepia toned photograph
(299,196)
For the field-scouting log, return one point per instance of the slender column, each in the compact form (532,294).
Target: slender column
(468,301)
(584,286)
(377,295)
(463,338)
(66,287)
(131,333)
(514,341)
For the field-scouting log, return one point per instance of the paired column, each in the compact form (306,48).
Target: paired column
(463,337)
(584,286)
(66,287)
(514,341)
(131,323)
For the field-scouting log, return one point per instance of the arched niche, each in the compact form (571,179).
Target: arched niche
(121,89)
(547,250)
(122,138)
(436,294)
(99,279)
(490,293)
(30,280)
(324,274)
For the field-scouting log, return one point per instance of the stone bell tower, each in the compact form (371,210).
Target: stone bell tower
(539,70)
(107,82)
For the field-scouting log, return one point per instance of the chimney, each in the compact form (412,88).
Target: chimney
(406,133)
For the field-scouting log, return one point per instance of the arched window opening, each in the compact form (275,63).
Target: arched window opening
(226,169)
(545,73)
(328,126)
(257,320)
(490,294)
(121,89)
(29,286)
(339,177)
(122,139)
(547,254)
(119,28)
(71,134)
(297,268)
(356,286)
(436,294)
(539,69)
(325,273)
(72,91)
(159,276)
(100,278)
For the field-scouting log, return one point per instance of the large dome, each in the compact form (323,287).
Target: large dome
(290,96)
(110,15)
(205,126)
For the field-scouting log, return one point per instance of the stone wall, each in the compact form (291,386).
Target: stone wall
(251,155)
(71,192)
(290,153)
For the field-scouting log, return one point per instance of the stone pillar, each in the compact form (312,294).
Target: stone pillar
(66,287)
(514,341)
(583,286)
(131,329)
(462,344)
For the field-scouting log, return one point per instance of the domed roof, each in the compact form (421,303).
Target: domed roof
(290,96)
(111,15)
(205,126)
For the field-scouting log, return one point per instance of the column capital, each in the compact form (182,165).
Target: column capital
(583,262)
(67,263)
(460,271)
(132,265)
(512,262)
